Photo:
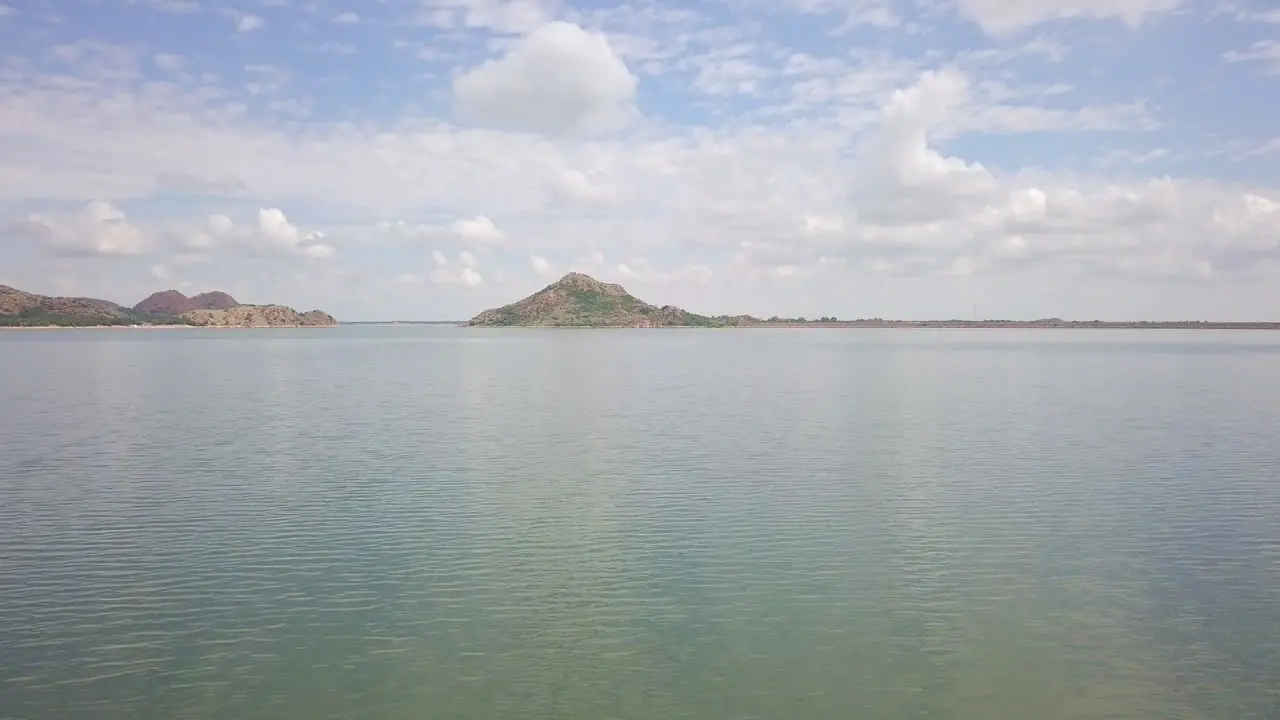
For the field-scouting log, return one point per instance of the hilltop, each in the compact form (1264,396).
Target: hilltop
(19,308)
(172,302)
(578,300)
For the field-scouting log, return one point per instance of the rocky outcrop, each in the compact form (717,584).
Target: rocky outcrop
(166,302)
(257,316)
(578,300)
(23,308)
(172,302)
(170,307)
(316,318)
(14,301)
(215,300)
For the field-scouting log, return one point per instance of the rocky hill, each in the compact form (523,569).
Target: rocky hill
(258,316)
(578,300)
(23,308)
(212,309)
(172,302)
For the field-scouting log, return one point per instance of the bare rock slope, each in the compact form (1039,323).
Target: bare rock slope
(258,316)
(172,302)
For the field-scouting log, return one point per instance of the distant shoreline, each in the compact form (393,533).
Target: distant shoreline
(162,327)
(919,325)
(849,325)
(1028,325)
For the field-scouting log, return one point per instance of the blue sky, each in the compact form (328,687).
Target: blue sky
(430,158)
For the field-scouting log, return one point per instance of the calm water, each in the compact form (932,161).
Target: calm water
(409,522)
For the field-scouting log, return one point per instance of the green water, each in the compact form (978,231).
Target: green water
(412,522)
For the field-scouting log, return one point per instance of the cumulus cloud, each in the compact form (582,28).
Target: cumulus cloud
(901,178)
(842,175)
(99,229)
(278,233)
(999,17)
(477,229)
(463,272)
(558,79)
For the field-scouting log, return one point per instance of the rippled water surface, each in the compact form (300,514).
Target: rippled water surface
(413,522)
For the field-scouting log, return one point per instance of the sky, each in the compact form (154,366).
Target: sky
(428,159)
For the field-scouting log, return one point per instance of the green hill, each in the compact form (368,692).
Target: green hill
(578,300)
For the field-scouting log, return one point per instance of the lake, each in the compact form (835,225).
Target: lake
(438,522)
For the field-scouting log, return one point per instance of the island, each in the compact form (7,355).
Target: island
(578,300)
(167,308)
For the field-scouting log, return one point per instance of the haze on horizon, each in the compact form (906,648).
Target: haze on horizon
(428,159)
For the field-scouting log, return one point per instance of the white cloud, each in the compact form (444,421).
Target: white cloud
(275,230)
(903,179)
(541,266)
(848,172)
(1270,17)
(219,224)
(1267,147)
(99,229)
(266,79)
(276,227)
(877,13)
(244,22)
(346,18)
(822,224)
(160,272)
(313,248)
(6,11)
(168,61)
(478,229)
(576,187)
(507,16)
(175,7)
(558,79)
(998,17)
(728,70)
(463,273)
(1265,51)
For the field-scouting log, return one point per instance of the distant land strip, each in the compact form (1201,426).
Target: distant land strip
(21,310)
(1024,324)
(917,324)
(578,300)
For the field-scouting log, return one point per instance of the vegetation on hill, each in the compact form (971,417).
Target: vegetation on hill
(214,309)
(578,300)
